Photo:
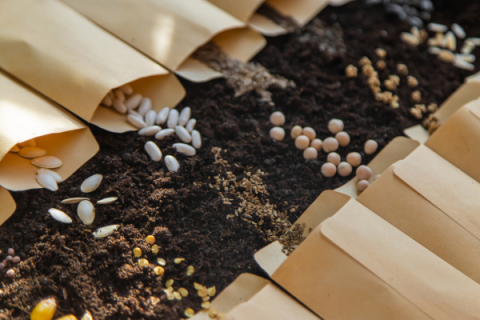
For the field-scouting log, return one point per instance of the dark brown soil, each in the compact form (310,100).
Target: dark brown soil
(188,218)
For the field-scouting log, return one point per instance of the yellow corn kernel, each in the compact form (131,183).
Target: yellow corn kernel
(69,317)
(169,283)
(87,316)
(212,291)
(177,295)
(44,310)
(142,262)
(183,292)
(203,292)
(189,312)
(178,260)
(206,305)
(155,249)
(137,252)
(190,270)
(207,298)
(150,239)
(213,313)
(159,271)
(197,286)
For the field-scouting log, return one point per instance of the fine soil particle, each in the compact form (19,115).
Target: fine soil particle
(187,216)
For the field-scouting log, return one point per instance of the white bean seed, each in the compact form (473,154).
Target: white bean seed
(310,153)
(107,200)
(119,106)
(302,142)
(370,146)
(277,133)
(184,149)
(183,134)
(191,125)
(164,133)
(364,172)
(73,200)
(107,101)
(59,215)
(474,41)
(434,50)
(172,164)
(296,132)
(153,151)
(91,183)
(343,138)
(136,121)
(451,41)
(145,106)
(162,116)
(134,101)
(310,133)
(409,38)
(466,57)
(446,56)
(127,89)
(54,175)
(196,139)
(362,185)
(172,121)
(334,158)
(335,126)
(317,144)
(344,169)
(105,232)
(149,131)
(463,65)
(150,118)
(436,27)
(32,152)
(49,162)
(354,158)
(329,169)
(86,212)
(47,181)
(330,144)
(119,95)
(277,118)
(184,116)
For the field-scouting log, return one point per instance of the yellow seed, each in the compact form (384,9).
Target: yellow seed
(395,79)
(183,292)
(212,291)
(213,313)
(394,104)
(189,312)
(177,295)
(203,292)
(412,81)
(351,71)
(44,310)
(159,271)
(169,289)
(169,283)
(206,305)
(169,295)
(137,252)
(142,262)
(381,65)
(69,317)
(178,260)
(381,53)
(368,70)
(190,270)
(155,249)
(162,262)
(150,239)
(87,316)
(364,61)
(416,96)
(197,286)
(402,69)
(207,298)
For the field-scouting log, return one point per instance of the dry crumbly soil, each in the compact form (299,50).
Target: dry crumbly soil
(187,216)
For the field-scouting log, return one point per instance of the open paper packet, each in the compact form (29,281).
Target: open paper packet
(25,114)
(69,59)
(169,31)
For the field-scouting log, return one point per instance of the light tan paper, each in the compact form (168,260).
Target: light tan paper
(242,10)
(395,150)
(25,114)
(302,11)
(266,26)
(8,205)
(457,140)
(61,54)
(417,133)
(356,265)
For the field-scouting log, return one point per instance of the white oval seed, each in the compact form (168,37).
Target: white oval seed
(190,125)
(145,106)
(28,143)
(437,27)
(451,41)
(409,38)
(54,175)
(119,95)
(133,101)
(335,126)
(59,215)
(463,65)
(474,41)
(330,144)
(136,120)
(73,200)
(91,183)
(127,89)
(183,134)
(277,118)
(466,57)
(119,106)
(184,116)
(164,133)
(105,232)
(434,50)
(172,163)
(184,149)
(196,139)
(446,56)
(86,212)
(32,152)
(150,118)
(172,121)
(47,181)
(149,131)
(153,151)
(162,116)
(107,200)
(49,162)
(107,101)
(370,146)
(277,133)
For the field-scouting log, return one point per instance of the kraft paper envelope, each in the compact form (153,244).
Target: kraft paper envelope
(302,11)
(356,265)
(457,140)
(169,31)
(7,205)
(409,196)
(69,59)
(242,10)
(25,114)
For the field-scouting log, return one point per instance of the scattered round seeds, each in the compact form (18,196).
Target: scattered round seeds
(296,132)
(11,273)
(189,312)
(310,153)
(351,71)
(330,144)
(364,172)
(343,138)
(178,260)
(11,251)
(329,169)
(381,53)
(142,262)
(317,144)
(86,212)
(150,239)
(334,158)
(277,133)
(344,169)
(335,125)
(159,271)
(197,286)
(212,291)
(169,283)
(172,164)
(362,185)
(183,292)
(137,252)
(370,146)
(155,249)
(203,292)
(206,305)
(190,270)
(177,295)
(310,133)
(277,118)
(302,142)
(354,158)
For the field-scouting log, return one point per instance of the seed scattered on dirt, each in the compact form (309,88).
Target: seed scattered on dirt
(277,133)
(11,273)
(183,292)
(446,56)
(87,316)
(150,239)
(412,81)
(172,164)
(416,96)
(107,200)
(409,38)
(162,262)
(296,132)
(206,305)
(310,153)
(302,142)
(177,295)
(329,169)
(44,310)
(364,172)
(169,283)
(202,292)
(317,144)
(351,71)
(178,260)
(16,259)
(402,69)
(212,291)
(458,30)
(335,125)
(463,65)
(137,252)
(184,116)
(59,215)
(381,53)
(437,27)
(343,138)
(370,147)
(155,249)
(191,125)
(73,200)
(330,144)
(309,132)
(190,270)
(159,271)
(380,64)
(189,312)
(153,151)
(91,183)
(142,262)
(86,212)
(344,169)
(213,314)
(354,158)
(197,286)
(364,61)
(334,158)
(105,231)
(362,185)
(277,118)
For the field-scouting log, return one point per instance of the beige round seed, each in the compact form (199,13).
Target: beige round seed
(162,116)
(317,144)
(47,181)
(137,252)
(310,153)
(296,132)
(32,152)
(159,271)
(330,144)
(142,262)
(48,162)
(155,249)
(91,183)
(370,146)
(362,185)
(86,212)
(153,151)
(302,142)
(277,118)
(329,169)
(364,173)
(335,125)
(334,158)
(145,106)
(133,101)
(277,133)
(183,134)
(309,132)
(343,138)
(344,169)
(354,158)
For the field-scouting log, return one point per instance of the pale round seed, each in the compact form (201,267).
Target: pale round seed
(334,158)
(9,258)
(172,164)
(191,125)
(47,181)
(107,200)
(127,89)
(296,132)
(162,116)
(32,152)
(344,169)
(59,215)
(330,144)
(343,138)
(48,162)
(73,200)
(107,101)
(310,153)
(150,118)
(335,125)
(184,149)
(362,185)
(364,173)
(329,169)
(310,133)
(153,151)
(105,231)
(149,131)
(354,158)
(164,133)
(196,139)
(119,95)
(370,146)
(86,212)
(119,106)
(302,142)
(91,183)
(2,266)
(277,118)
(183,134)
(11,251)
(16,259)
(136,121)
(11,273)
(317,144)
(436,27)
(54,175)
(172,121)
(145,106)
(28,143)
(277,133)
(184,116)
(133,101)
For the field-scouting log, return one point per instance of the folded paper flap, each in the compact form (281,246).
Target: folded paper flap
(301,11)
(444,185)
(417,133)
(466,93)
(8,205)
(427,281)
(265,26)
(475,107)
(242,10)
